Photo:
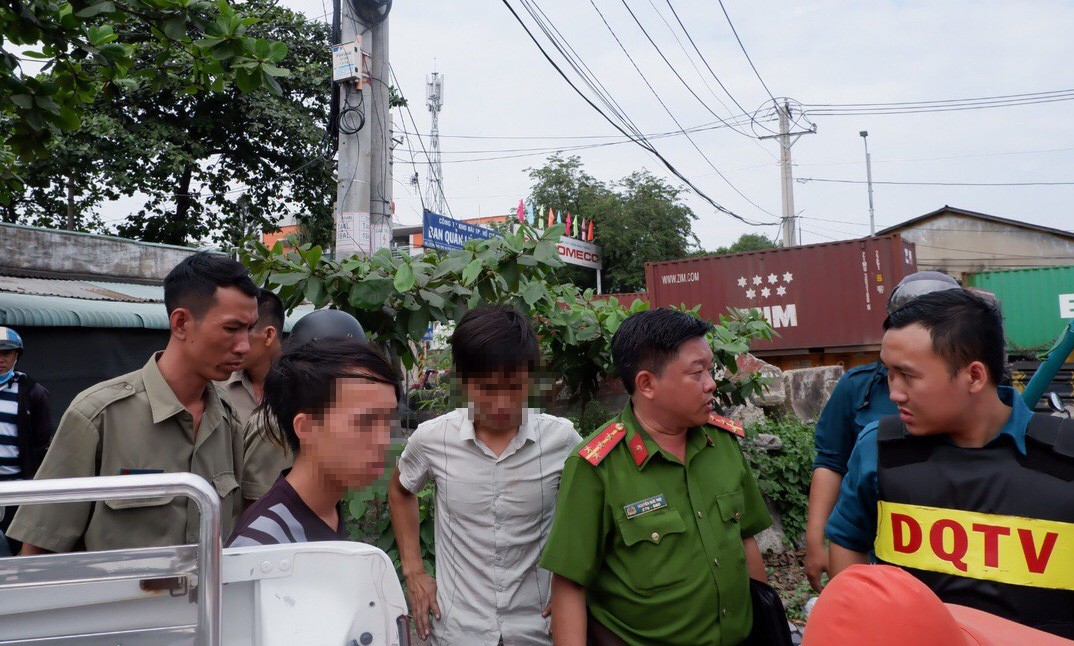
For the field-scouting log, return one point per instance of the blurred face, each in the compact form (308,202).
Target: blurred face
(7,360)
(930,399)
(215,344)
(349,441)
(683,392)
(498,399)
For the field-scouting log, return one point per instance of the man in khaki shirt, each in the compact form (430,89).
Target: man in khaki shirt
(265,458)
(165,418)
(245,386)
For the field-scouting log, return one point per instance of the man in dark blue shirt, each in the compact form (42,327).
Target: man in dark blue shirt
(860,397)
(965,488)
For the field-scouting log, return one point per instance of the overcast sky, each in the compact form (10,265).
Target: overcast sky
(823,51)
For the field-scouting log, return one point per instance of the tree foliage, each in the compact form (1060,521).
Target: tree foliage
(638,219)
(395,299)
(748,242)
(86,51)
(225,164)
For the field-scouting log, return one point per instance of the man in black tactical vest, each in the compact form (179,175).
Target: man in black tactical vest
(966,488)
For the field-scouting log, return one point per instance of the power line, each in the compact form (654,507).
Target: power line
(656,94)
(703,59)
(803,180)
(664,58)
(640,140)
(940,101)
(924,159)
(1066,95)
(745,53)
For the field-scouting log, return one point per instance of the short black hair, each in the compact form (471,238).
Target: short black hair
(493,339)
(193,282)
(648,341)
(303,380)
(269,310)
(964,328)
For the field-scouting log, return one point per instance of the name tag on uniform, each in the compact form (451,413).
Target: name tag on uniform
(137,472)
(645,506)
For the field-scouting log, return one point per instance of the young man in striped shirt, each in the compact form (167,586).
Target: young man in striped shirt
(332,403)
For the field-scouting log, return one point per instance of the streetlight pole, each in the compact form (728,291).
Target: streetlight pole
(869,179)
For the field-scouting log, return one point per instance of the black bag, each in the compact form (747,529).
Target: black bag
(770,626)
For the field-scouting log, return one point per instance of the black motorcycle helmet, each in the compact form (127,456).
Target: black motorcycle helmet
(325,324)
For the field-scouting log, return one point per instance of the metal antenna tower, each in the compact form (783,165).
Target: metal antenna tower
(434,99)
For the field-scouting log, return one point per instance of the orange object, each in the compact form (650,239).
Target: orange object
(882,605)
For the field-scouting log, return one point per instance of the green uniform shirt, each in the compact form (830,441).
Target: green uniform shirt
(135,424)
(658,546)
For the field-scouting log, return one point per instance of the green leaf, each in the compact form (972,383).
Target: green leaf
(471,272)
(315,292)
(534,292)
(370,293)
(272,70)
(404,277)
(97,9)
(175,28)
(417,324)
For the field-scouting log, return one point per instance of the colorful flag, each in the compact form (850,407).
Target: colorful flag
(551,217)
(577,225)
(569,223)
(529,212)
(521,212)
(591,232)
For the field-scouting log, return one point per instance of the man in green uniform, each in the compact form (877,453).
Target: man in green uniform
(652,541)
(165,418)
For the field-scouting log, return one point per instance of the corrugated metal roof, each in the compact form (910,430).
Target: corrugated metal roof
(89,290)
(154,293)
(57,311)
(45,302)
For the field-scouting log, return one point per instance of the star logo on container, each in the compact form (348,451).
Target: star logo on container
(770,284)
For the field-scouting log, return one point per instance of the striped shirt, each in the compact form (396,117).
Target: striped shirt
(10,465)
(281,516)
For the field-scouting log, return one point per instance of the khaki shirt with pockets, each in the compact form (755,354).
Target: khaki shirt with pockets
(128,425)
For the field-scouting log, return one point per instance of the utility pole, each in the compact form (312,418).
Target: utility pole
(434,100)
(380,203)
(869,179)
(364,194)
(787,139)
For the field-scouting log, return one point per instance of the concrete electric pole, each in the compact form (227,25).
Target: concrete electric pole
(869,179)
(364,195)
(787,139)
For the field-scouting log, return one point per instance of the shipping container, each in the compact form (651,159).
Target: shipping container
(820,299)
(1037,304)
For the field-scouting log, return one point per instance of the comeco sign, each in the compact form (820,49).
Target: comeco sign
(1007,549)
(576,252)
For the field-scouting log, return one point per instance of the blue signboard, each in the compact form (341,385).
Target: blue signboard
(441,232)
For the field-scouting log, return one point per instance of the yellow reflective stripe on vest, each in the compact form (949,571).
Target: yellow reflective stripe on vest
(1007,549)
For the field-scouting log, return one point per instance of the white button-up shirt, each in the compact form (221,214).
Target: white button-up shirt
(493,515)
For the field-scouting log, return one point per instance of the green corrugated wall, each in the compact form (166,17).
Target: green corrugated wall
(1034,302)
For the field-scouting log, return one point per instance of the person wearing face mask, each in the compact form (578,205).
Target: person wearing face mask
(25,425)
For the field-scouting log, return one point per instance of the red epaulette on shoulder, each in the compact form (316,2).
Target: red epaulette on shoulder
(726,424)
(601,445)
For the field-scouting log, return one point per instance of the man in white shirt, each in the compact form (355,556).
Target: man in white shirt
(496,466)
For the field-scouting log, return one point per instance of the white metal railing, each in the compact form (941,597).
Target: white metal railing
(210,586)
